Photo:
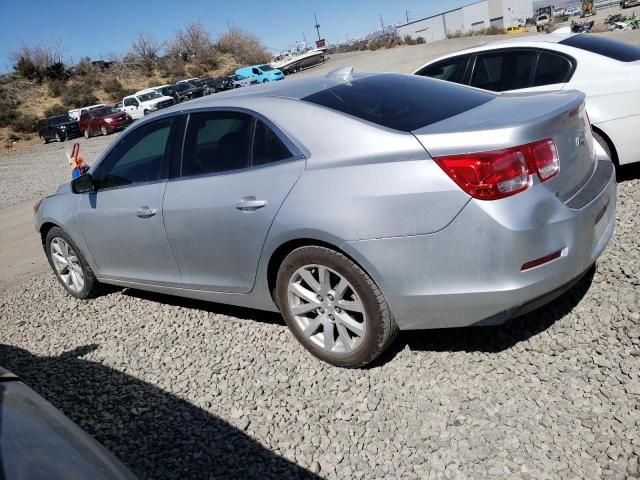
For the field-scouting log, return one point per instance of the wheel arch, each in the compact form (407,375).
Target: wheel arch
(612,147)
(280,253)
(44,230)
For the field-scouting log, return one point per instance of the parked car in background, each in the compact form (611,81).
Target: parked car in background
(543,22)
(76,112)
(40,443)
(262,73)
(103,120)
(238,81)
(629,3)
(186,91)
(376,255)
(144,102)
(166,91)
(199,83)
(217,84)
(572,11)
(606,70)
(58,128)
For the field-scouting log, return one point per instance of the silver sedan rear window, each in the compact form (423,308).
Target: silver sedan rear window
(400,102)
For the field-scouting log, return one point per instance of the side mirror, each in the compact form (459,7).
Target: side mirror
(83,184)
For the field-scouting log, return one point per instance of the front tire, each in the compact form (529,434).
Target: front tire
(145,112)
(333,308)
(104,131)
(87,133)
(58,137)
(70,267)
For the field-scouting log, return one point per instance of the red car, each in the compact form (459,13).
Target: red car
(105,120)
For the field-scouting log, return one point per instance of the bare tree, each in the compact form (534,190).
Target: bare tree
(41,55)
(243,46)
(146,47)
(193,44)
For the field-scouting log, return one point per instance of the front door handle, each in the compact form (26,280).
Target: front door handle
(146,212)
(250,204)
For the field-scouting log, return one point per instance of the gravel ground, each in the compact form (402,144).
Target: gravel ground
(182,389)
(35,171)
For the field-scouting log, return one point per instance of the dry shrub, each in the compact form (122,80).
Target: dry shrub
(243,46)
(54,110)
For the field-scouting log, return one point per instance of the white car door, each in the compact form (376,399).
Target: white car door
(132,107)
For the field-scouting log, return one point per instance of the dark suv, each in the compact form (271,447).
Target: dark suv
(59,128)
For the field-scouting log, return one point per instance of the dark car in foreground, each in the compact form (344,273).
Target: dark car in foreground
(37,442)
(407,203)
(58,128)
(103,120)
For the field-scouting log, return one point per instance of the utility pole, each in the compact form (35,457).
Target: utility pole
(406,13)
(317,26)
(381,23)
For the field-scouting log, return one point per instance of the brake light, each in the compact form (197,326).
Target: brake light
(545,158)
(502,173)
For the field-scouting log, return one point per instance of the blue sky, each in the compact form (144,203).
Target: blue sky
(95,28)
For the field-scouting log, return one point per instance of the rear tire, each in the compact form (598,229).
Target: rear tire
(69,277)
(356,316)
(44,139)
(145,112)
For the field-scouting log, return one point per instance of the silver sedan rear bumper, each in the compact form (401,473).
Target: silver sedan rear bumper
(470,272)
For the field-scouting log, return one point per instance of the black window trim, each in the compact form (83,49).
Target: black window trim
(176,170)
(471,67)
(167,161)
(448,59)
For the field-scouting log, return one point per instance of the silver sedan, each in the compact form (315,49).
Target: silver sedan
(356,205)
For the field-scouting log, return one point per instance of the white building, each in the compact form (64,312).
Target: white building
(473,17)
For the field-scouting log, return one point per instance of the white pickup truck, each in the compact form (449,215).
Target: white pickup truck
(144,102)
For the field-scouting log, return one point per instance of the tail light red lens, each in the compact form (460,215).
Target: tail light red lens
(546,159)
(501,173)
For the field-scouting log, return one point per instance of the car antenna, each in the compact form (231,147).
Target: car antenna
(344,74)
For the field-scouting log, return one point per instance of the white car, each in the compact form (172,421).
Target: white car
(607,71)
(144,102)
(572,11)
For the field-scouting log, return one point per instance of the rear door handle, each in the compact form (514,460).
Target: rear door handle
(146,212)
(250,204)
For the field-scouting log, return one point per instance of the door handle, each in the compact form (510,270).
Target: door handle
(250,204)
(146,212)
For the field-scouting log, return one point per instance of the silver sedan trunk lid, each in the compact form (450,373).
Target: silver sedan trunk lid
(512,120)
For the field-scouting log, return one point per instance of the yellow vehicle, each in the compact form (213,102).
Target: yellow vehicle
(513,30)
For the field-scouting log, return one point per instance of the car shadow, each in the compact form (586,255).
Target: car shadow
(211,307)
(156,434)
(488,339)
(491,339)
(626,173)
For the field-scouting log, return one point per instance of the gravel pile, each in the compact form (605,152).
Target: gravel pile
(36,171)
(182,389)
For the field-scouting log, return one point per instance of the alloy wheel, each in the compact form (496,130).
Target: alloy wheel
(67,265)
(327,309)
